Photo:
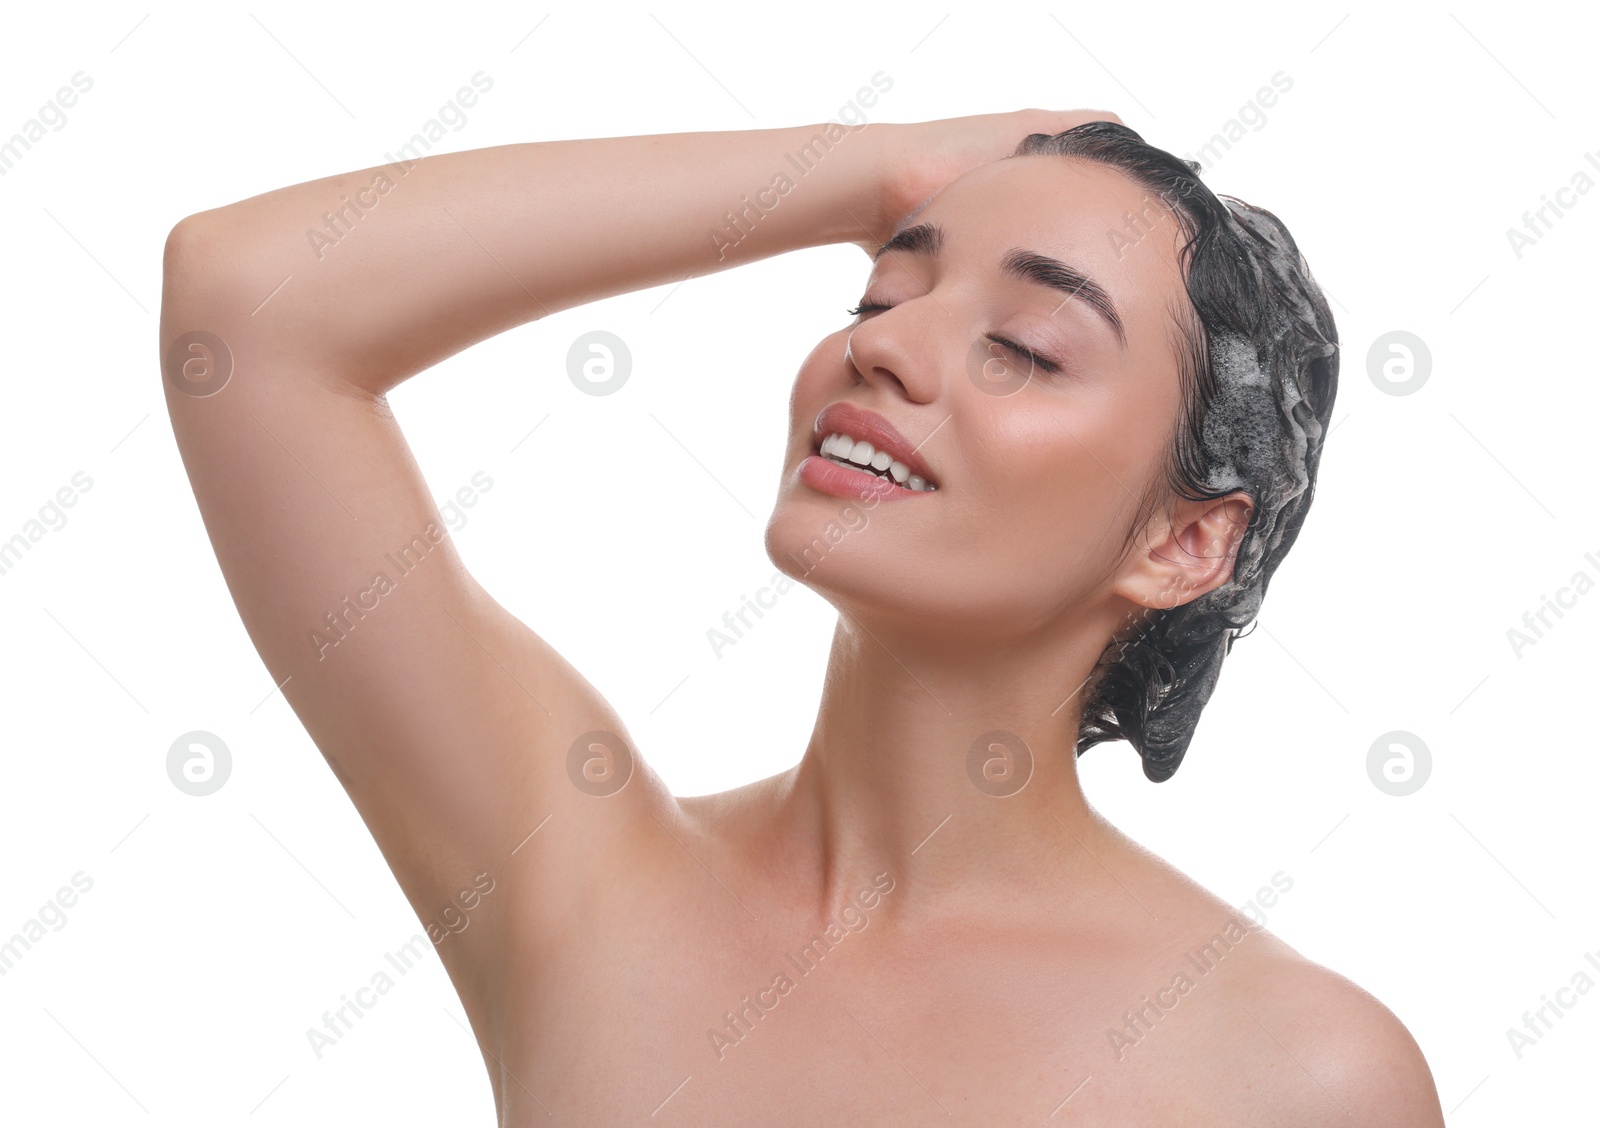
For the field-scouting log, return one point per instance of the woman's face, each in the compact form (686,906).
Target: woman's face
(1037,474)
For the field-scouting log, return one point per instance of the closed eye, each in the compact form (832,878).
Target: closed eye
(1021,350)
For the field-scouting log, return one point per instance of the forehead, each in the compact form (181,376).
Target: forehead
(1092,217)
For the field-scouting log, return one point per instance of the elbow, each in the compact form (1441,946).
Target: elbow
(194,248)
(196,299)
(181,245)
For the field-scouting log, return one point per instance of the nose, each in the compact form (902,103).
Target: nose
(899,347)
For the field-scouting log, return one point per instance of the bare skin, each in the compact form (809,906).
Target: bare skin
(985,959)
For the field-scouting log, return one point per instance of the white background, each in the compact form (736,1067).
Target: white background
(219,929)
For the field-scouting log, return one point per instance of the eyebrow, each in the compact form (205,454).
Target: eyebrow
(1029,266)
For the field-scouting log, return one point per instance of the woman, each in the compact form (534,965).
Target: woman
(1043,474)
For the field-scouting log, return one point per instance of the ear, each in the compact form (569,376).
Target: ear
(1185,552)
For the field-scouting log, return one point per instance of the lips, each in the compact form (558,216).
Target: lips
(875,429)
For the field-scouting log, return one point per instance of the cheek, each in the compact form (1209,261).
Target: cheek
(1063,479)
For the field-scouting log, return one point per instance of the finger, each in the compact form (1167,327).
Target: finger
(1059,121)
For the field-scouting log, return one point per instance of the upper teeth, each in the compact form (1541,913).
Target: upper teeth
(862,455)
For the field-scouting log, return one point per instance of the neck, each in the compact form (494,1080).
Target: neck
(890,782)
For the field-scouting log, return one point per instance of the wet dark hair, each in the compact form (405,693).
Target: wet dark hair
(1258,357)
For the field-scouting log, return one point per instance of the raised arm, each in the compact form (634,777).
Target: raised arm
(447,721)
(394,268)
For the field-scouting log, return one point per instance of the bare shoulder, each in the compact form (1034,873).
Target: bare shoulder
(1358,1062)
(1285,1037)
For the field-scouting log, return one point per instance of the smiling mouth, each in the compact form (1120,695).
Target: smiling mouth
(858,454)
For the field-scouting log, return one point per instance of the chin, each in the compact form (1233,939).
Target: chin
(840,548)
(812,538)
(848,554)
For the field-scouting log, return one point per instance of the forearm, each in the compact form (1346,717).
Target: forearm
(391,269)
